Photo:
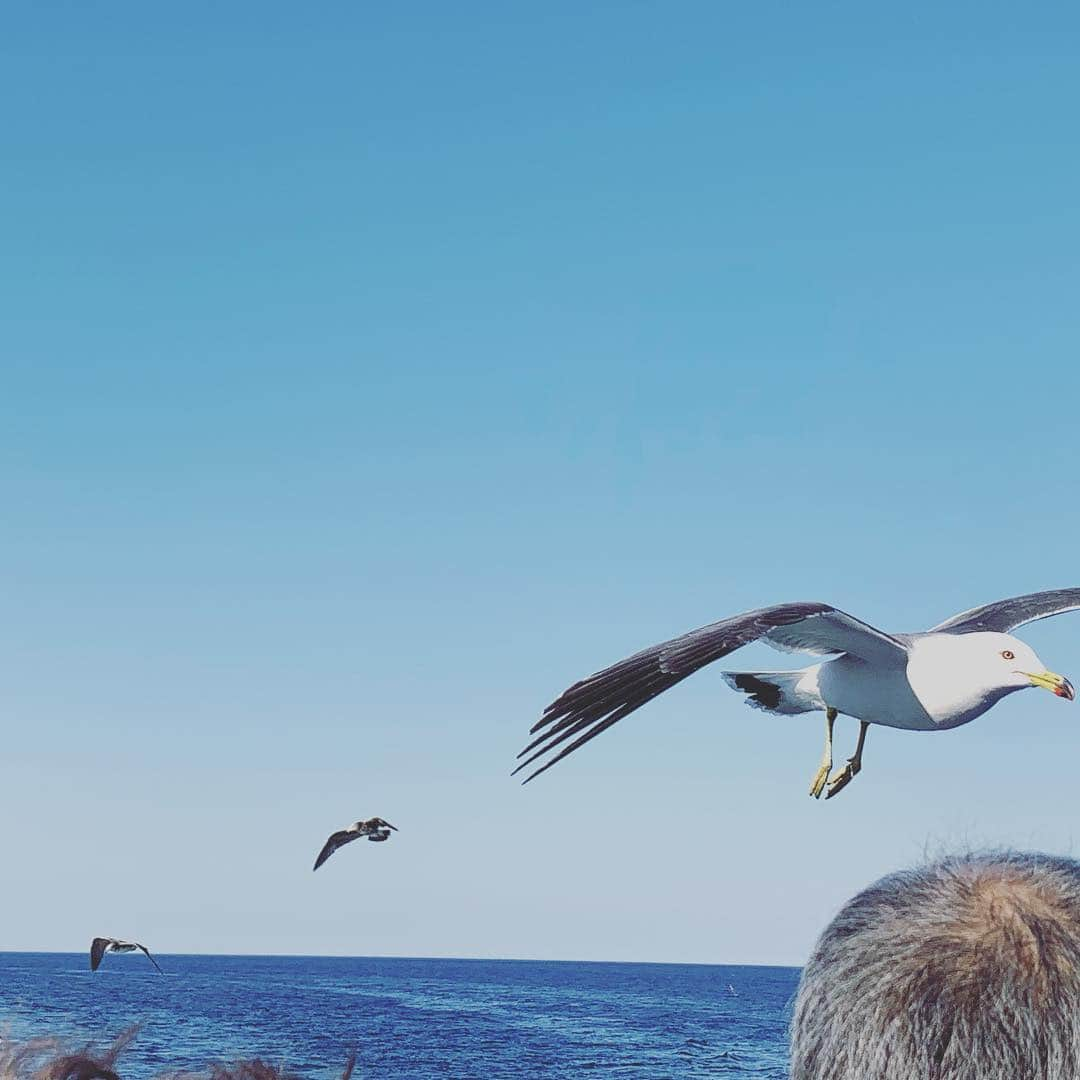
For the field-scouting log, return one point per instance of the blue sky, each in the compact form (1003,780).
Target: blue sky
(371,373)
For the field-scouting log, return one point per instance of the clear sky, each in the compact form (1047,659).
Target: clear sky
(370,372)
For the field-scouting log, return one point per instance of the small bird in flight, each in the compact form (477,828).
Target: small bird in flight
(375,829)
(930,681)
(101,945)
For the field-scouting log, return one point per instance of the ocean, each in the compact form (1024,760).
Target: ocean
(411,1017)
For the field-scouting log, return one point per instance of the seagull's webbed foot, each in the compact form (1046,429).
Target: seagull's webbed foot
(817,785)
(852,768)
(843,777)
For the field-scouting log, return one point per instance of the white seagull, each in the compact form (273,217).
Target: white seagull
(101,945)
(375,829)
(931,681)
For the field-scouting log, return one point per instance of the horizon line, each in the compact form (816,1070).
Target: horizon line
(4,951)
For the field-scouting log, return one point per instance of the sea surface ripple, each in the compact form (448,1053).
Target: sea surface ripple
(411,1017)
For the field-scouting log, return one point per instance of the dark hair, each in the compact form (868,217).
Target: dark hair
(48,1059)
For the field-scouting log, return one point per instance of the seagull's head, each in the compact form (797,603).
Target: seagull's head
(1010,664)
(957,677)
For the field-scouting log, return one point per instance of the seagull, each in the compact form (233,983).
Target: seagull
(375,829)
(101,945)
(930,681)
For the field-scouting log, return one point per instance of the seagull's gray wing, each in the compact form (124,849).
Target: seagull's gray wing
(594,704)
(97,951)
(336,840)
(150,958)
(1004,616)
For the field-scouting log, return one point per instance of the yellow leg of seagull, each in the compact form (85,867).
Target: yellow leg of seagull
(817,785)
(854,764)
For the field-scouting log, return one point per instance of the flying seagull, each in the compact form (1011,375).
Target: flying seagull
(932,681)
(375,829)
(101,945)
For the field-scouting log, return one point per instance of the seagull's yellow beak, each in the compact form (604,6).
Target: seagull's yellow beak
(1049,680)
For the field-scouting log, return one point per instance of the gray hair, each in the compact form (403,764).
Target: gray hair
(965,969)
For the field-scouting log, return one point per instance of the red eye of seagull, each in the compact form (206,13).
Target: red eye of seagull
(1008,655)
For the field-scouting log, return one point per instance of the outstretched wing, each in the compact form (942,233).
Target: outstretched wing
(1003,616)
(97,951)
(150,958)
(335,841)
(594,704)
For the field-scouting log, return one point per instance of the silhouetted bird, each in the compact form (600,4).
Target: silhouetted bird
(375,829)
(101,945)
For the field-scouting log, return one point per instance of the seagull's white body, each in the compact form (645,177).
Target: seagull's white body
(947,680)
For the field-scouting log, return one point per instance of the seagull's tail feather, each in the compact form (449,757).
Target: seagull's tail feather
(784,692)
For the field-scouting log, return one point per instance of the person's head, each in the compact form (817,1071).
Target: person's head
(965,969)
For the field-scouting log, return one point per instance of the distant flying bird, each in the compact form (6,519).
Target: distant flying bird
(375,829)
(101,945)
(923,682)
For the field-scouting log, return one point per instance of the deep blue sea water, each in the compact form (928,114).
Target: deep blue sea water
(411,1018)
